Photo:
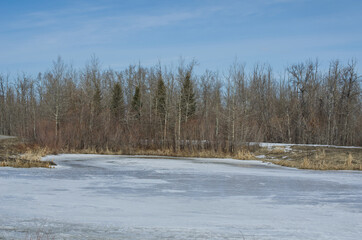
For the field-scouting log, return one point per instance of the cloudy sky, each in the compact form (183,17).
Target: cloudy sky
(119,33)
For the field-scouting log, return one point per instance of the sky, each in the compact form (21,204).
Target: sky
(214,33)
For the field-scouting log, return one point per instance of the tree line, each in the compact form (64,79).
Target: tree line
(162,107)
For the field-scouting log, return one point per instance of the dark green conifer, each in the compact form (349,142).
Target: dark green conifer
(160,98)
(188,103)
(117,104)
(136,103)
(97,98)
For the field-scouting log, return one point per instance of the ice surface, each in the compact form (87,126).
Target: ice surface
(129,197)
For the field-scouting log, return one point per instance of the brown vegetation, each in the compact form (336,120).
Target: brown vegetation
(319,158)
(14,153)
(244,155)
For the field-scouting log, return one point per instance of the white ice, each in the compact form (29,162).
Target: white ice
(129,197)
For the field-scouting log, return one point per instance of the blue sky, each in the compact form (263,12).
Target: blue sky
(119,33)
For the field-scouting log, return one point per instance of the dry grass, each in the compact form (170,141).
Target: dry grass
(21,163)
(244,155)
(320,158)
(153,152)
(349,160)
(278,150)
(14,153)
(92,151)
(182,153)
(306,164)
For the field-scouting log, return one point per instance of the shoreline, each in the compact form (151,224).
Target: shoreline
(18,154)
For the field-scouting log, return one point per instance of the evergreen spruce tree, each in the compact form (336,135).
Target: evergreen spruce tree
(97,98)
(117,103)
(160,99)
(188,103)
(136,103)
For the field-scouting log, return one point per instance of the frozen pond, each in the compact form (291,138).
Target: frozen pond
(126,197)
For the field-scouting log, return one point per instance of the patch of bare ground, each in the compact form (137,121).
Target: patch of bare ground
(18,154)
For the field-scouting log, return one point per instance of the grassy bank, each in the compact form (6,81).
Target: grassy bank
(15,153)
(19,154)
(319,158)
(296,156)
